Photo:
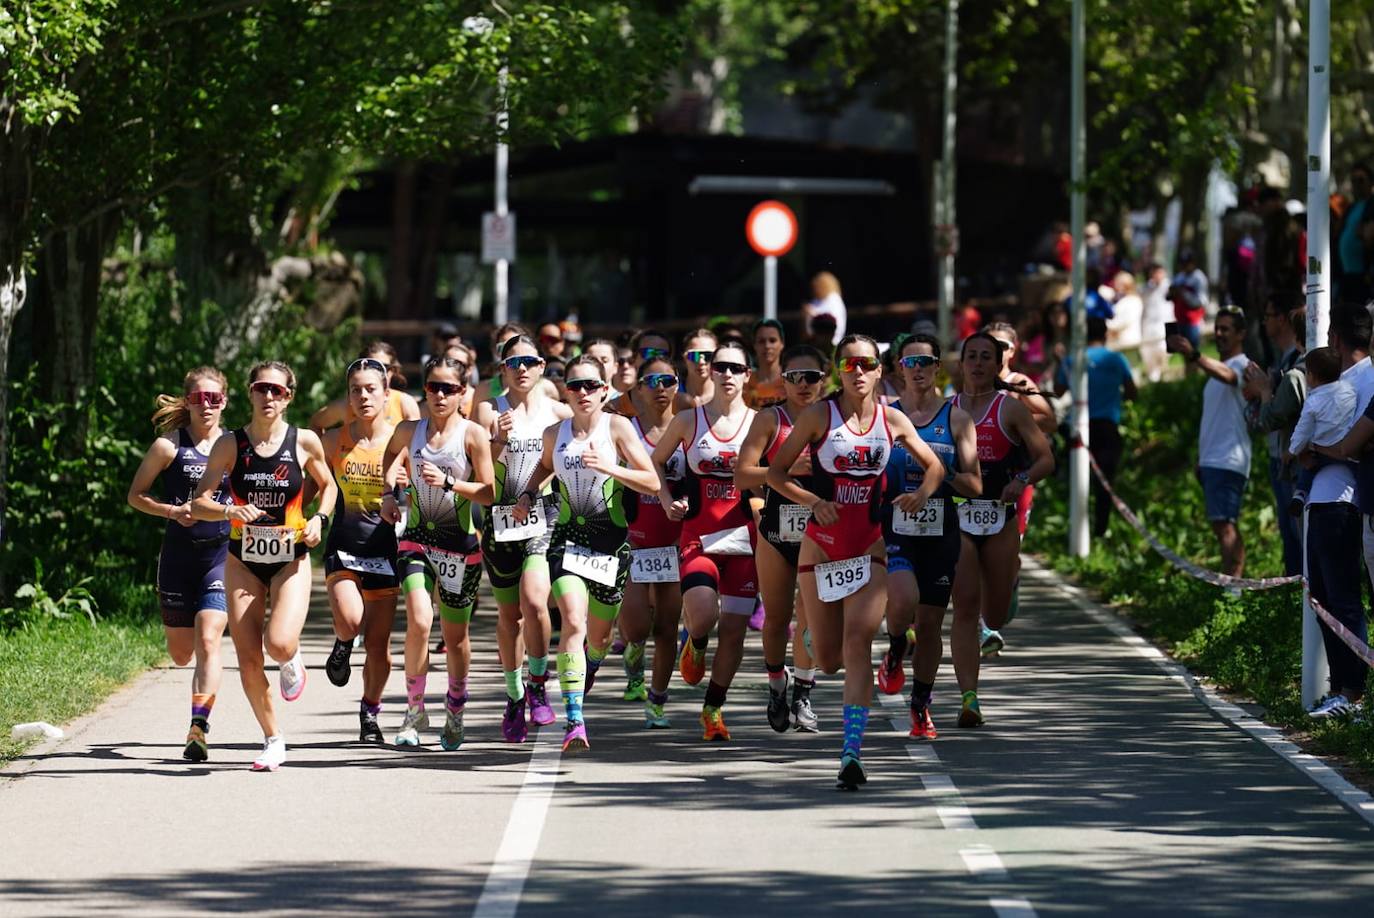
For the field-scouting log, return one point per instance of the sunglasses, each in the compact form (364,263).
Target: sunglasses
(270,389)
(585,385)
(554,373)
(912,361)
(697,356)
(659,380)
(208,399)
(652,353)
(858,364)
(444,388)
(724,367)
(627,361)
(550,339)
(367,363)
(803,377)
(522,362)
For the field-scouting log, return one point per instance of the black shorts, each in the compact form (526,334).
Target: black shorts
(265,572)
(790,551)
(505,561)
(190,577)
(932,559)
(372,584)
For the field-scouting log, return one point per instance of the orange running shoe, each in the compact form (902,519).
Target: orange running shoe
(691,664)
(713,725)
(922,727)
(891,676)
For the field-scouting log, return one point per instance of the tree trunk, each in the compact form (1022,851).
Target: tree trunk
(431,237)
(66,328)
(398,285)
(16,198)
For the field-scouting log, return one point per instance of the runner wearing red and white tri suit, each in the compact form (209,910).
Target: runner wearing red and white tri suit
(717,557)
(843,559)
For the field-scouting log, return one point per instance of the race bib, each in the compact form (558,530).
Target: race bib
(365,565)
(930,521)
(506,529)
(654,565)
(792,520)
(268,544)
(837,579)
(449,567)
(590,565)
(728,542)
(982,517)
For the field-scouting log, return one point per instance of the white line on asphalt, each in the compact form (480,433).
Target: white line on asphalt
(1012,908)
(952,812)
(983,862)
(501,894)
(1323,775)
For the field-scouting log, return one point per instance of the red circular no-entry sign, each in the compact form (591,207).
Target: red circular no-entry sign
(771,228)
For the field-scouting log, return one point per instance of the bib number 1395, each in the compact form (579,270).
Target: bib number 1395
(837,579)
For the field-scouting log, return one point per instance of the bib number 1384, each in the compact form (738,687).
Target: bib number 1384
(837,579)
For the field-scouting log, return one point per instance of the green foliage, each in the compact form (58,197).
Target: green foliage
(35,600)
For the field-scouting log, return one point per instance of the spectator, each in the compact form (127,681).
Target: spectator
(1334,534)
(1109,381)
(1189,293)
(1327,415)
(1157,311)
(826,302)
(1275,400)
(1124,327)
(444,336)
(1359,444)
(1223,442)
(1354,248)
(551,340)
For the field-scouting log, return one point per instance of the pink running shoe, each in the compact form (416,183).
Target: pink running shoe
(575,738)
(540,712)
(513,721)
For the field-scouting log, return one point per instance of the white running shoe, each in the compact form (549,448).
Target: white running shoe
(292,677)
(416,719)
(1332,706)
(273,754)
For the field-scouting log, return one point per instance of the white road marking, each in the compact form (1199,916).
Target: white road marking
(949,806)
(506,881)
(983,862)
(1012,908)
(1323,775)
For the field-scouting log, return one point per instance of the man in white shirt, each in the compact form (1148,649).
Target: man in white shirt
(826,290)
(1223,462)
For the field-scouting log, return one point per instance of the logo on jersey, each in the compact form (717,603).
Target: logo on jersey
(721,462)
(215,585)
(938,430)
(863,458)
(282,472)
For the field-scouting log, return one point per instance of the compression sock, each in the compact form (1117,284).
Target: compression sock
(539,667)
(595,656)
(370,707)
(515,687)
(777,677)
(457,697)
(572,679)
(657,698)
(804,677)
(634,661)
(715,694)
(896,644)
(415,691)
(855,720)
(200,710)
(920,693)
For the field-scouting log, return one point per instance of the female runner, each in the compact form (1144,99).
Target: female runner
(269,541)
(923,551)
(781,525)
(589,557)
(360,553)
(697,348)
(399,406)
(190,570)
(515,552)
(448,463)
(719,582)
(843,568)
(765,383)
(989,558)
(655,574)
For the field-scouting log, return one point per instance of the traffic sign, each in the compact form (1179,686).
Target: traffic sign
(498,237)
(771,228)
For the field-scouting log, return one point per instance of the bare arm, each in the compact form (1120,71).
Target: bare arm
(482,488)
(968,481)
(749,470)
(394,462)
(639,474)
(905,433)
(331,415)
(204,506)
(410,409)
(672,438)
(542,472)
(1042,460)
(318,469)
(155,462)
(1210,365)
(808,428)
(1354,444)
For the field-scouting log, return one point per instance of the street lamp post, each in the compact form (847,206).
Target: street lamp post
(482,26)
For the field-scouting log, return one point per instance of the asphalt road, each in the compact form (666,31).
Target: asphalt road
(1099,785)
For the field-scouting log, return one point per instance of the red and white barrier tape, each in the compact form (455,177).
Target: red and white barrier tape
(1360,648)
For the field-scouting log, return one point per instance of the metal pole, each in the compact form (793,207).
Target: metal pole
(944,184)
(1314,663)
(501,310)
(770,286)
(1078,381)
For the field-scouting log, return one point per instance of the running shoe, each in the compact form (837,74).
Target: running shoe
(617,646)
(851,773)
(273,754)
(635,690)
(891,676)
(804,719)
(990,641)
(1332,706)
(654,718)
(292,676)
(691,664)
(541,714)
(970,714)
(337,667)
(452,736)
(513,726)
(779,717)
(713,725)
(197,750)
(416,719)
(575,738)
(922,727)
(369,731)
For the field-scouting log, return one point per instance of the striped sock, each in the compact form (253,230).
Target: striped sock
(201,705)
(415,691)
(855,720)
(656,698)
(457,697)
(572,679)
(515,688)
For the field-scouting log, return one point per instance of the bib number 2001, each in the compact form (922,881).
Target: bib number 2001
(268,544)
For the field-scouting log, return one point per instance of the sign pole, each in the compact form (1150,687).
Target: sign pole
(771,229)
(1078,329)
(770,286)
(501,280)
(944,174)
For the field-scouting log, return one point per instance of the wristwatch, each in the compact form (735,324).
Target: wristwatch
(1022,477)
(448,482)
(323,518)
